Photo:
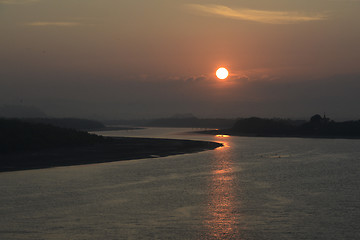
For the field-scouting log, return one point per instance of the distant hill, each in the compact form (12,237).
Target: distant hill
(20,111)
(34,115)
(74,123)
(178,121)
(20,136)
(183,116)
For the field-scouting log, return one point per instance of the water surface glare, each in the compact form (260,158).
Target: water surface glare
(253,188)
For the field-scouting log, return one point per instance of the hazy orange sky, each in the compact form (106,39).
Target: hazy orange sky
(141,58)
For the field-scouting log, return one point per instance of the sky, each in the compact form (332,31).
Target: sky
(115,59)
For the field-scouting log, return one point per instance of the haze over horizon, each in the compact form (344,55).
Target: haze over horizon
(134,59)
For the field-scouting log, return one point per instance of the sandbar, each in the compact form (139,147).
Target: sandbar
(118,149)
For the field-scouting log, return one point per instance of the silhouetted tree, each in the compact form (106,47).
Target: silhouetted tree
(316,119)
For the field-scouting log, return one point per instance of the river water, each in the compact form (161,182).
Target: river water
(252,188)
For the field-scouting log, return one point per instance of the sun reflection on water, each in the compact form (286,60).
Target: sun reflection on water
(222,136)
(222,218)
(223,139)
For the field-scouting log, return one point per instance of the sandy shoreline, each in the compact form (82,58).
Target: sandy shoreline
(121,148)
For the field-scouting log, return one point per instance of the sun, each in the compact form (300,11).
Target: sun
(222,73)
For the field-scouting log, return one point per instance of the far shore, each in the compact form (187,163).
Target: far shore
(230,133)
(119,149)
(114,128)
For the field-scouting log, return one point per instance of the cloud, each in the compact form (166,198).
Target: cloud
(58,24)
(262,16)
(13,2)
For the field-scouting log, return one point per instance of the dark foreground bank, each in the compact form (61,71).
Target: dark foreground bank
(117,149)
(32,145)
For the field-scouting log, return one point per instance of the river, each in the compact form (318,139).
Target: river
(252,188)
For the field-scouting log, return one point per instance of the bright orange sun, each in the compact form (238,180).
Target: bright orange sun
(222,73)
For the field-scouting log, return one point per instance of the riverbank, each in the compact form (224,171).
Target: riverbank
(226,132)
(118,149)
(317,127)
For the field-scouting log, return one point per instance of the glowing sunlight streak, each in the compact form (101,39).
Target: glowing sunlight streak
(262,16)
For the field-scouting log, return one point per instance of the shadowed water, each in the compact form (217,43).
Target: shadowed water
(253,188)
